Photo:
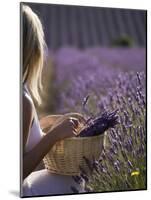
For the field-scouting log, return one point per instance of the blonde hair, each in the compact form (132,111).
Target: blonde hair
(33,52)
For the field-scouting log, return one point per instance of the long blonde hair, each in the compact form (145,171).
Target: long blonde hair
(33,51)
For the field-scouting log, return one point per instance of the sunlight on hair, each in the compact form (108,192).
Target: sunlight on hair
(33,52)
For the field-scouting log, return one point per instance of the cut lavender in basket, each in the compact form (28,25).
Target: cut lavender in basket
(100,124)
(97,124)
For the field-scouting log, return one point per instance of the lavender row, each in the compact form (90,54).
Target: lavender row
(113,79)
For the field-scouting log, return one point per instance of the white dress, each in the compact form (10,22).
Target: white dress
(42,182)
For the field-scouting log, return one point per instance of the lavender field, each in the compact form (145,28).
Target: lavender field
(114,79)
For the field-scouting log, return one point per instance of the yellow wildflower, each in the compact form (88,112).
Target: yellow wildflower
(135,173)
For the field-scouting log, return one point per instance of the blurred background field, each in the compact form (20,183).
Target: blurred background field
(100,52)
(89,37)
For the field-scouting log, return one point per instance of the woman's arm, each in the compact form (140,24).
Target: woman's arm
(64,128)
(32,159)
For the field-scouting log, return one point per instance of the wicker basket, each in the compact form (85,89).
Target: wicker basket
(66,156)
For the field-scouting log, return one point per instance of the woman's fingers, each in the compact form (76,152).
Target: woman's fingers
(75,132)
(75,122)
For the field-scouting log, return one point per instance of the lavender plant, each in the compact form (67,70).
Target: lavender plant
(110,77)
(122,165)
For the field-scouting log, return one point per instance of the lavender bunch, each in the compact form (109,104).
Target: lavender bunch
(100,124)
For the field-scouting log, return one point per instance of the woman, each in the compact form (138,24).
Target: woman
(35,143)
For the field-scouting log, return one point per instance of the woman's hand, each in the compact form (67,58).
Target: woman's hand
(65,127)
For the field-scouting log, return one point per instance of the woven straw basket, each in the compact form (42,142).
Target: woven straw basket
(66,156)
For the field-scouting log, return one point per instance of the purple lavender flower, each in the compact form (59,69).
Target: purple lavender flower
(77,179)
(130,164)
(74,189)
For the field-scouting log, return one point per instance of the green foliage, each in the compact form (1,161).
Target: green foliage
(123,41)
